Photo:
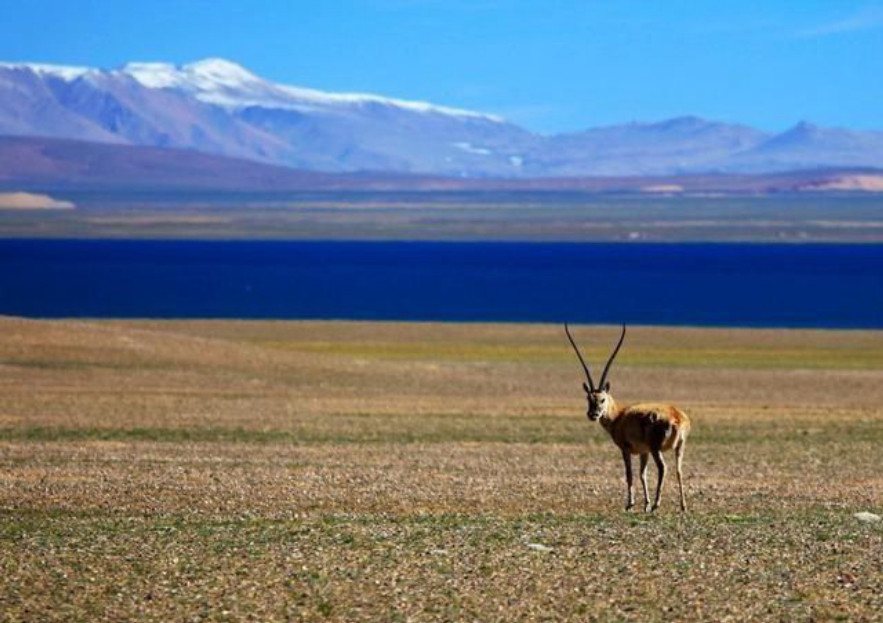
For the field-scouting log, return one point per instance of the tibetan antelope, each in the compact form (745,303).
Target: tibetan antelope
(644,429)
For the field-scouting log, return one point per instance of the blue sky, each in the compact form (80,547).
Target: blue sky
(552,65)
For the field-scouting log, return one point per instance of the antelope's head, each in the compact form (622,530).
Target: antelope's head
(598,397)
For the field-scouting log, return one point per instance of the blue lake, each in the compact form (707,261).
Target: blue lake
(676,284)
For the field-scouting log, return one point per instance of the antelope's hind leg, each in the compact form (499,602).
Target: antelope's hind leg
(630,494)
(644,458)
(660,466)
(679,456)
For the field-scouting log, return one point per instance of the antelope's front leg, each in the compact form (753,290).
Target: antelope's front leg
(630,495)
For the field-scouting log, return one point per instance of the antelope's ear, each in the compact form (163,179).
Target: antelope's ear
(606,387)
(586,387)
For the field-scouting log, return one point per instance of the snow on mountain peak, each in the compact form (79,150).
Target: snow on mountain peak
(65,72)
(221,71)
(210,74)
(154,75)
(299,97)
(224,83)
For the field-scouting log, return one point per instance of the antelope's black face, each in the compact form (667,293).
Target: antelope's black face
(598,401)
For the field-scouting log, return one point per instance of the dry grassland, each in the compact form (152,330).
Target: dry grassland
(371,471)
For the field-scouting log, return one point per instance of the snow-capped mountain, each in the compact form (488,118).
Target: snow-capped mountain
(219,107)
(217,81)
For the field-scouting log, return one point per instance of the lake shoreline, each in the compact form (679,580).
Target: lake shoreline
(548,217)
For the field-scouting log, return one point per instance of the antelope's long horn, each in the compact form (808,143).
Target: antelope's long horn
(612,357)
(578,354)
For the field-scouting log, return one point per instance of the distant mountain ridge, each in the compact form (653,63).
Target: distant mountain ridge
(37,164)
(218,107)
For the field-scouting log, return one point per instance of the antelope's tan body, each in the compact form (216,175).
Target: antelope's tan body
(641,427)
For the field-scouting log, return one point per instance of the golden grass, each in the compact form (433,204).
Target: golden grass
(383,471)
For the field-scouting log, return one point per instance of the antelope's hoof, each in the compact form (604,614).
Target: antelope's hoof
(629,506)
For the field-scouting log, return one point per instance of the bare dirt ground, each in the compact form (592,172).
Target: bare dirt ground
(388,471)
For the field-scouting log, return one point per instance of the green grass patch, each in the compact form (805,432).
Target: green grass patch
(451,428)
(759,357)
(174,435)
(381,429)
